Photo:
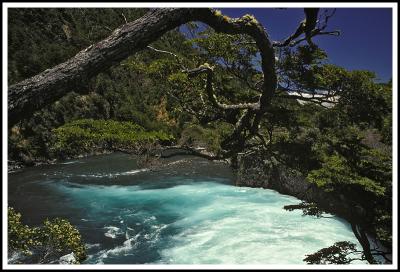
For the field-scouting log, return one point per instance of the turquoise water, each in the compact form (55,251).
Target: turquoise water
(186,213)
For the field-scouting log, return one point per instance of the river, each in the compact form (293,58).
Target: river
(186,212)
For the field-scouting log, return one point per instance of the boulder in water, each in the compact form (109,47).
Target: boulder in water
(68,259)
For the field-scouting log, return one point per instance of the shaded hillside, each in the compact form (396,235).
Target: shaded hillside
(42,38)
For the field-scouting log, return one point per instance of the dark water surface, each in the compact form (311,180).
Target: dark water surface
(186,212)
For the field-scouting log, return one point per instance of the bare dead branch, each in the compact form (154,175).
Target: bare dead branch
(178,59)
(315,33)
(309,29)
(326,18)
(126,21)
(263,141)
(306,26)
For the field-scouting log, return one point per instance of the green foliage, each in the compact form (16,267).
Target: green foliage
(31,139)
(303,68)
(207,137)
(307,208)
(42,38)
(20,237)
(56,34)
(336,174)
(178,79)
(387,130)
(383,225)
(161,68)
(88,134)
(364,101)
(338,253)
(230,48)
(236,61)
(343,149)
(310,209)
(360,100)
(46,243)
(60,238)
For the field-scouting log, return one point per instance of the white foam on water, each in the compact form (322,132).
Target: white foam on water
(90,246)
(132,172)
(254,229)
(113,175)
(213,224)
(127,248)
(113,232)
(71,162)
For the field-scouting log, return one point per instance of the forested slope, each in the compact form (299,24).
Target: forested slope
(42,38)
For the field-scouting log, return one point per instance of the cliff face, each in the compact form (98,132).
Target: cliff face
(256,170)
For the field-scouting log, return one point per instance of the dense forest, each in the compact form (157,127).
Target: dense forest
(197,88)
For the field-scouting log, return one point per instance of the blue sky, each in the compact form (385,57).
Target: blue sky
(365,42)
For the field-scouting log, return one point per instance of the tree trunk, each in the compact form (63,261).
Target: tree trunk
(363,239)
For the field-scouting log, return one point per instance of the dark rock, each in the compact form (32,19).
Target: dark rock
(255,170)
(26,159)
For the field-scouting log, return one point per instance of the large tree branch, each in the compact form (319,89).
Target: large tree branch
(34,93)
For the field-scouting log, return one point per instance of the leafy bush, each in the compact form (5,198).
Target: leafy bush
(58,238)
(20,237)
(336,174)
(44,244)
(338,253)
(87,135)
(209,138)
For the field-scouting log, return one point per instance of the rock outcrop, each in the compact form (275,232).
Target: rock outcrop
(68,259)
(256,170)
